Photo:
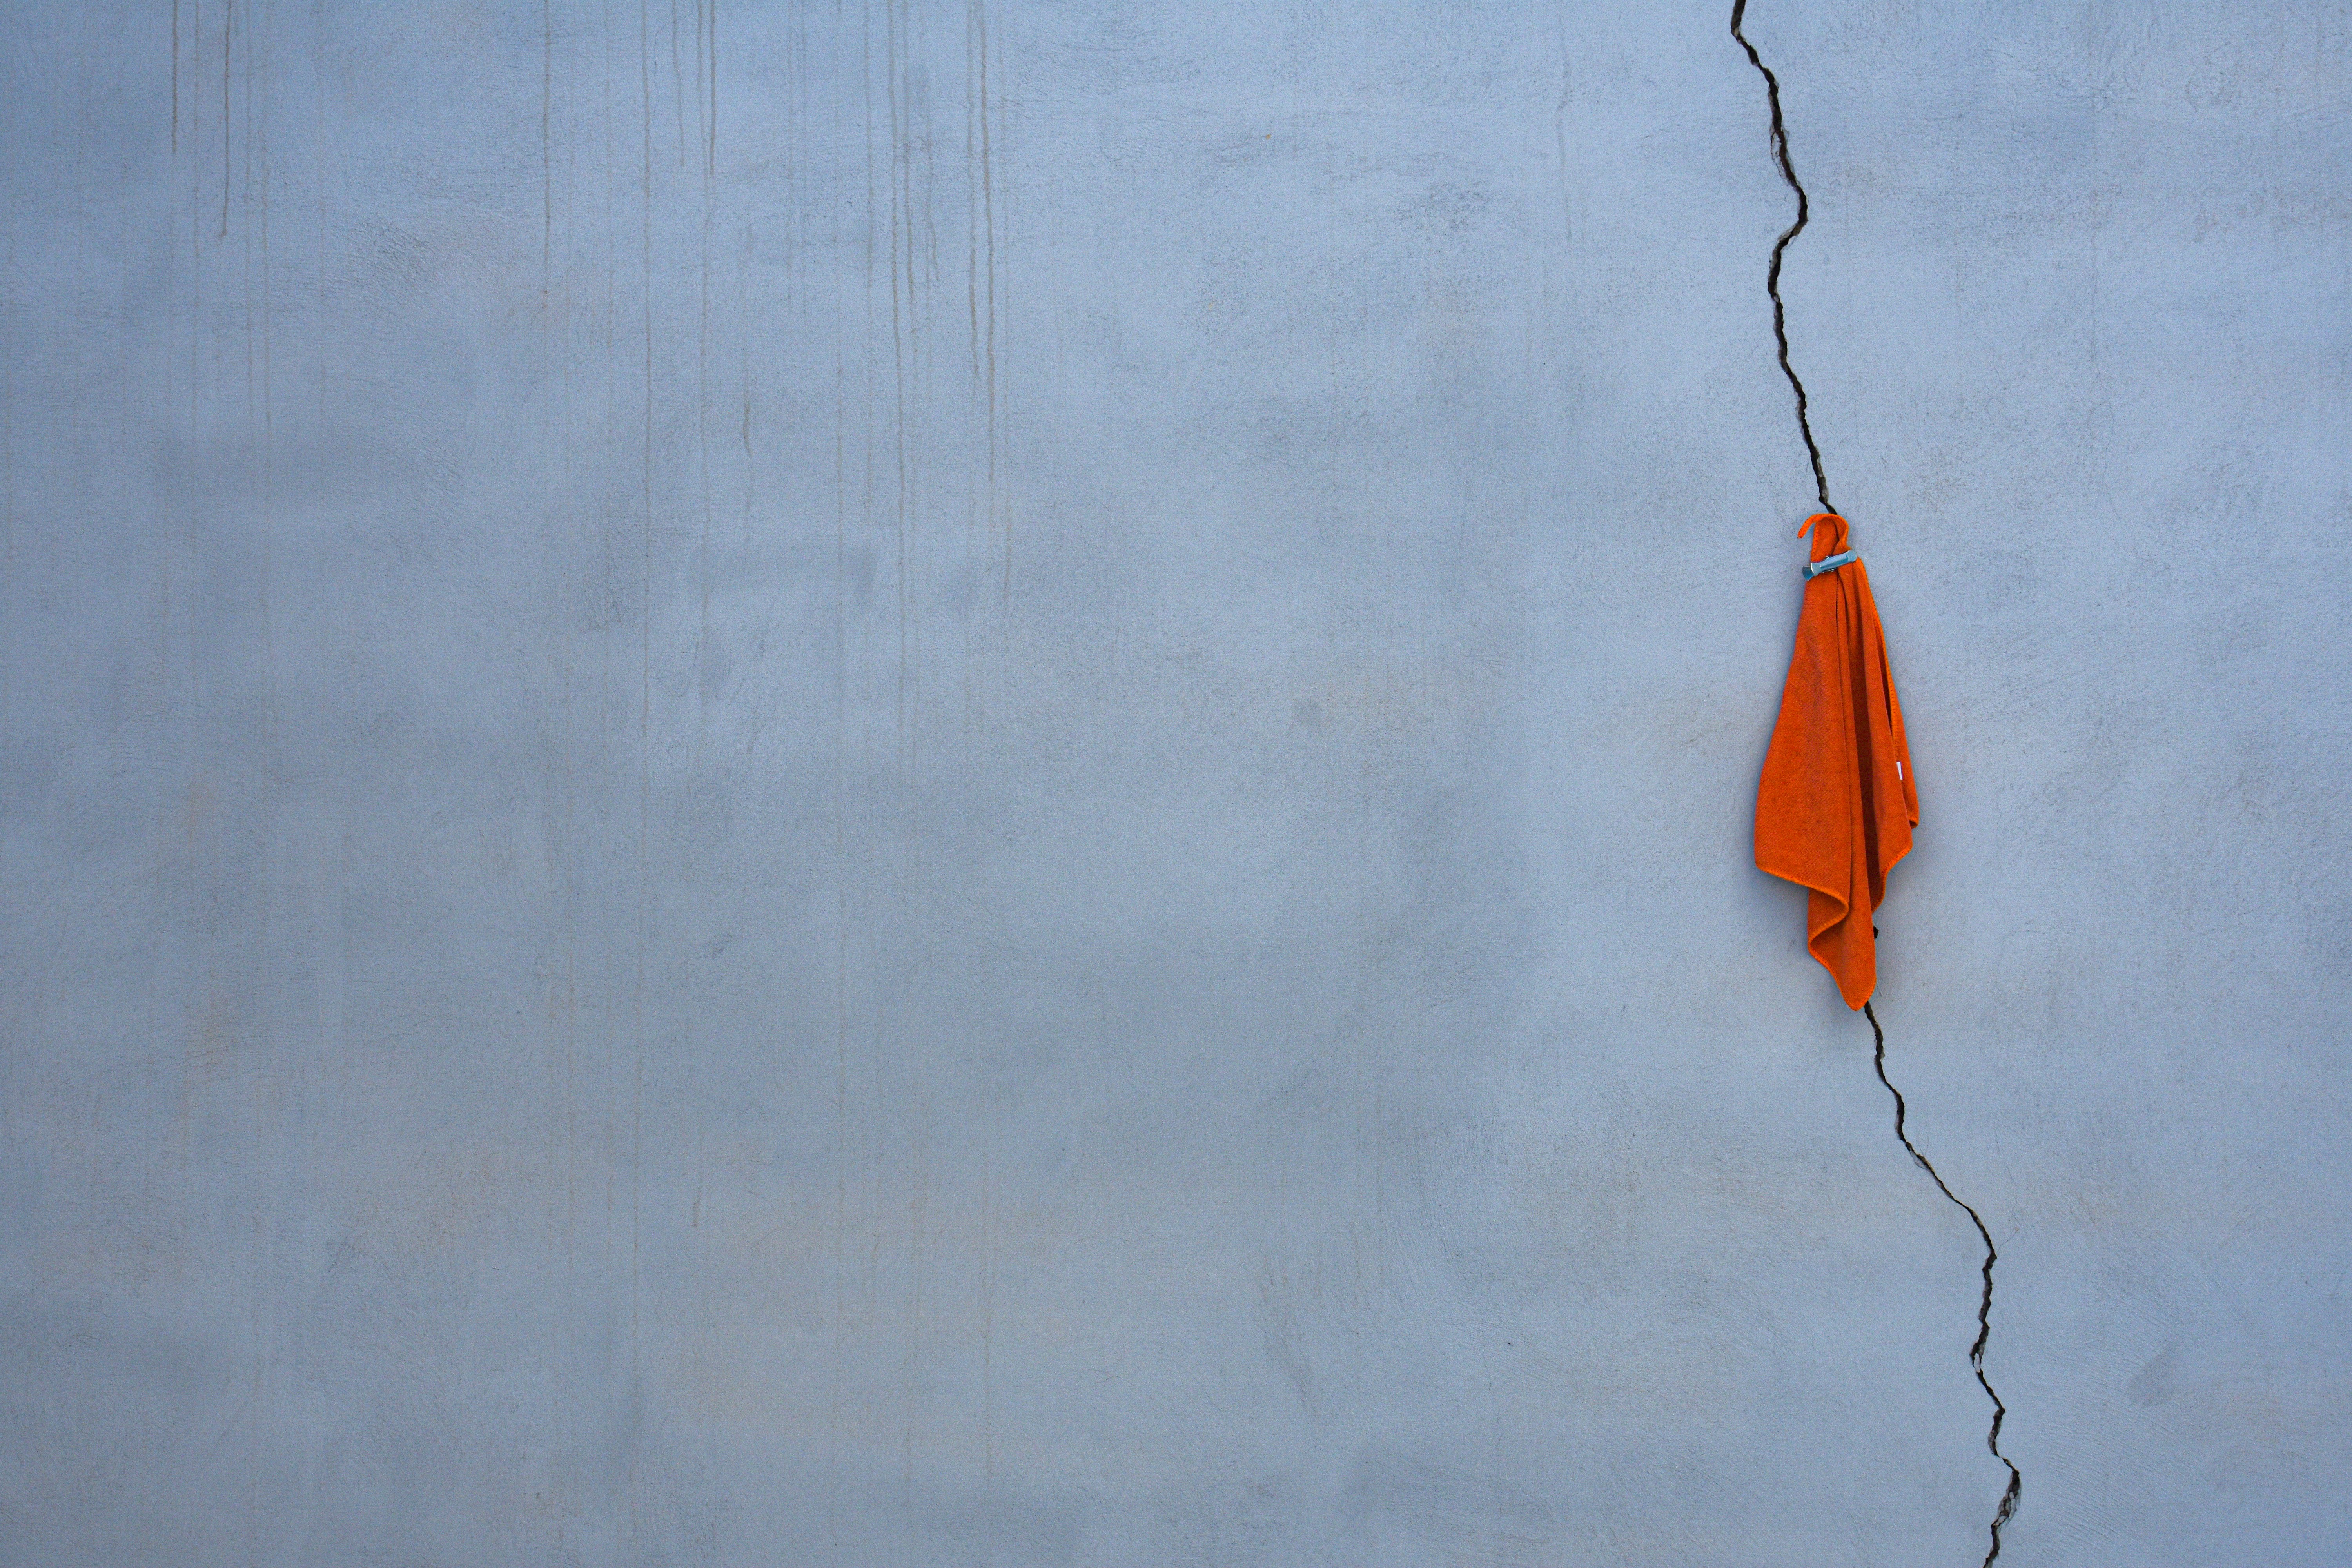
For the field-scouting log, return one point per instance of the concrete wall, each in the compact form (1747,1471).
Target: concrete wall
(887,783)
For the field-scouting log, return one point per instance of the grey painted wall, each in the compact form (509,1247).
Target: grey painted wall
(883,783)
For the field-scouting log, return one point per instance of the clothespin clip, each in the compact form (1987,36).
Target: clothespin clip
(1830,563)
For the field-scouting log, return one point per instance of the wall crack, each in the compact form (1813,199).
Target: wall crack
(1772,276)
(2008,1507)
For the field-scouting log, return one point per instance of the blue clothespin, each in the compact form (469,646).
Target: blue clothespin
(1830,564)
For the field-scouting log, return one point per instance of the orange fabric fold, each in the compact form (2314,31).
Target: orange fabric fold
(1838,800)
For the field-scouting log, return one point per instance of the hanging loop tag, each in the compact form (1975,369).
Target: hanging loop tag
(1831,563)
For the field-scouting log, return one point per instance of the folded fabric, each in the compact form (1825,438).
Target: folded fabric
(1838,802)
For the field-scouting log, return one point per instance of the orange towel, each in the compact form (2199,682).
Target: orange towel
(1838,802)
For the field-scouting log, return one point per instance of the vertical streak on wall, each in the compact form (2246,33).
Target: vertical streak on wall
(564,1174)
(743,318)
(229,33)
(559,1169)
(644,769)
(169,499)
(898,345)
(979,536)
(705,156)
(857,677)
(244,186)
(997,508)
(10,1025)
(173,691)
(326,184)
(876,880)
(677,85)
(702,1240)
(605,581)
(1559,134)
(702,412)
(269,1077)
(743,315)
(841,856)
(902,1015)
(568,817)
(898,1032)
(992,509)
(546,153)
(258,117)
(258,122)
(328,854)
(76,301)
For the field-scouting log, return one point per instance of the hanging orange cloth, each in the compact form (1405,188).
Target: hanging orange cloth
(1838,802)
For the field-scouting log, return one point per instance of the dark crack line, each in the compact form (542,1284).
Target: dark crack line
(1772,278)
(2007,1508)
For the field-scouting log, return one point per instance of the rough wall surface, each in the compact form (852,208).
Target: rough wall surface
(898,784)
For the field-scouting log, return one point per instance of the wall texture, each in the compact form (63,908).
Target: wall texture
(900,783)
